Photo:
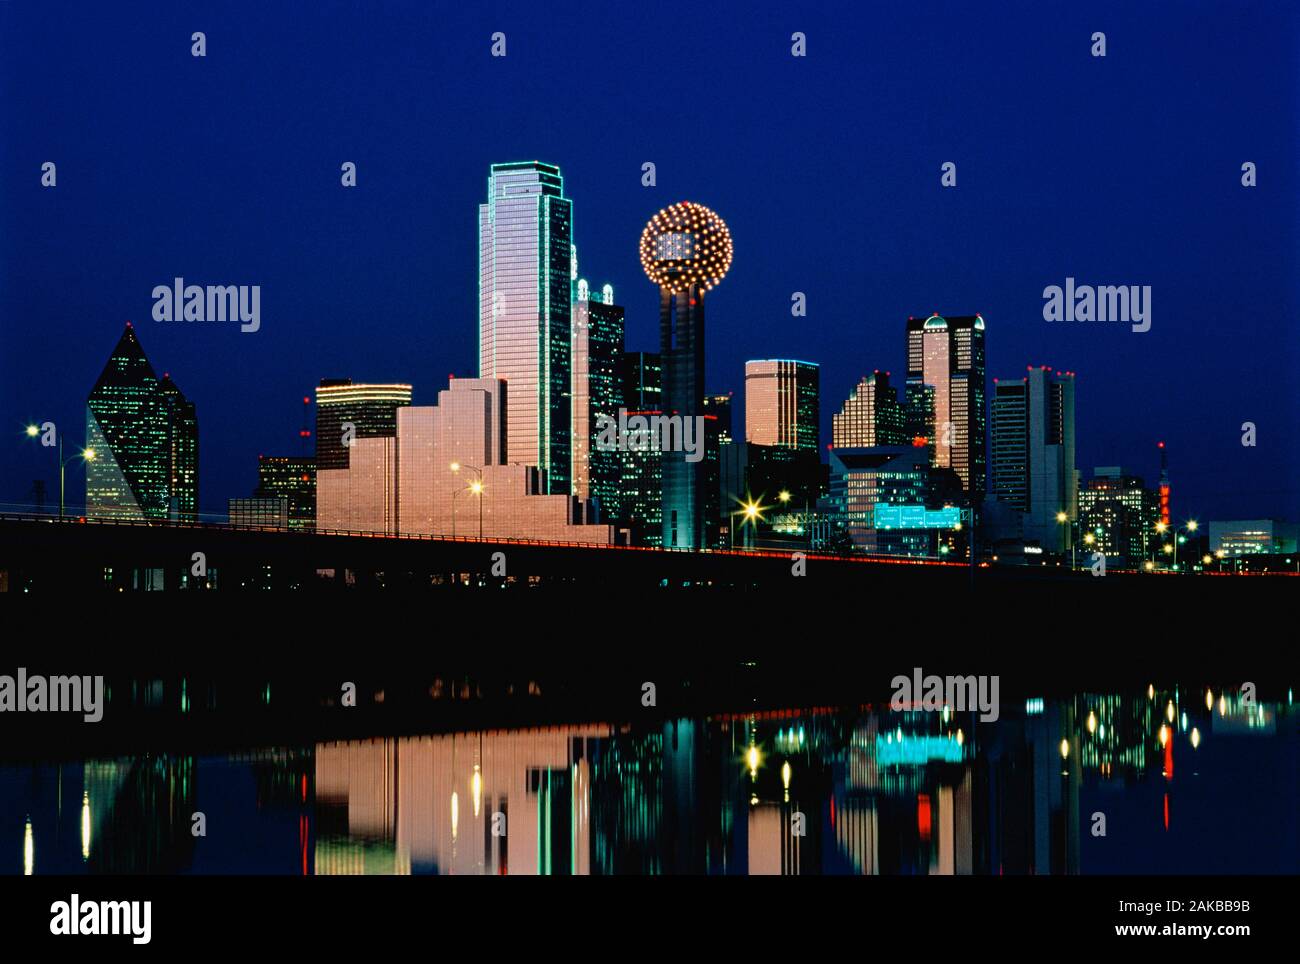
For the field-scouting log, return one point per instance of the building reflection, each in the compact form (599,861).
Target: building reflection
(865,790)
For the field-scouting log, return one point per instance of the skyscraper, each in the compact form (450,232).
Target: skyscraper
(525,273)
(686,251)
(781,403)
(145,437)
(947,355)
(642,474)
(370,410)
(294,480)
(871,415)
(717,433)
(1033,453)
(597,391)
(1121,514)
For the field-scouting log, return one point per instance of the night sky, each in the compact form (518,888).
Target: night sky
(225,170)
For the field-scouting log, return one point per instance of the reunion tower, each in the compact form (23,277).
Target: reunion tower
(686,251)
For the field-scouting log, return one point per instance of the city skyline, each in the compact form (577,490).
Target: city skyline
(373,283)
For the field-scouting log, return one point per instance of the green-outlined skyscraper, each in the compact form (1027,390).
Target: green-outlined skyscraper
(145,436)
(525,253)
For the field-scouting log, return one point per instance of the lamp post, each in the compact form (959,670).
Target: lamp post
(751,510)
(86,455)
(477,488)
(1064,519)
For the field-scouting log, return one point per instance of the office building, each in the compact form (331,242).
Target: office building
(1033,467)
(347,411)
(525,295)
(294,480)
(1120,514)
(892,501)
(870,417)
(641,467)
(597,354)
(781,403)
(946,354)
(144,436)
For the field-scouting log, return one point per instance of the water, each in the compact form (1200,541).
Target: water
(873,792)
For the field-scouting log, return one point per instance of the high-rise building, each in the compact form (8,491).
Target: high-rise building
(1033,453)
(294,480)
(686,251)
(182,452)
(871,416)
(891,500)
(1120,513)
(781,403)
(347,411)
(145,437)
(525,294)
(642,474)
(597,391)
(717,433)
(452,477)
(947,355)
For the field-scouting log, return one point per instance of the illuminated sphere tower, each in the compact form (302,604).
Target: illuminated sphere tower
(686,251)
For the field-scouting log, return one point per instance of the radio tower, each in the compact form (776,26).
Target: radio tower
(305,432)
(1164,483)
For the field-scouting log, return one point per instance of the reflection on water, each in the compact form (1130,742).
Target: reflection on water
(1184,782)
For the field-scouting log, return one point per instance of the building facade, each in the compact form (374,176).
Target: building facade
(871,415)
(890,499)
(597,354)
(1119,514)
(346,411)
(781,403)
(641,468)
(145,438)
(1033,467)
(525,295)
(946,355)
(294,480)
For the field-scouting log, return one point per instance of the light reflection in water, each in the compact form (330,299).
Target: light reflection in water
(786,792)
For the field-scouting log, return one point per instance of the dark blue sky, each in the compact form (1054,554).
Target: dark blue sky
(225,170)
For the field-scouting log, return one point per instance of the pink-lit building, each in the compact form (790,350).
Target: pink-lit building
(445,474)
(362,497)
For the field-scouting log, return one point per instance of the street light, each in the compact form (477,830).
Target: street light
(86,455)
(1063,518)
(751,510)
(476,487)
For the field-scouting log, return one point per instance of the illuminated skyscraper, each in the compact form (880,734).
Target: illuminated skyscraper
(525,274)
(1033,453)
(146,441)
(871,415)
(642,473)
(294,480)
(1121,514)
(686,251)
(370,410)
(717,433)
(597,391)
(781,403)
(947,355)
